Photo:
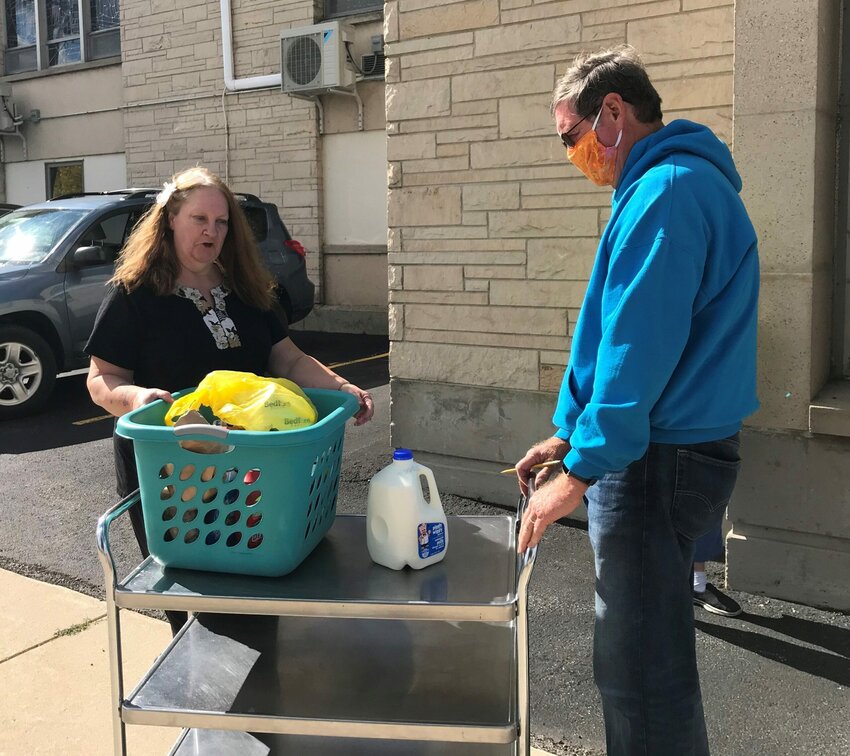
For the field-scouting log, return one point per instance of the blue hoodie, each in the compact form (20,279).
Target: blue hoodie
(664,349)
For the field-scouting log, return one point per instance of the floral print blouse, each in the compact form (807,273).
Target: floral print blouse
(222,328)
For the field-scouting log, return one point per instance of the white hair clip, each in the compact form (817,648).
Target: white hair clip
(167,190)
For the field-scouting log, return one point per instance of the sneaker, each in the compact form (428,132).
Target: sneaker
(717,602)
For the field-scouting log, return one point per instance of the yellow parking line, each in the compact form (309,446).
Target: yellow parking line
(91,420)
(362,359)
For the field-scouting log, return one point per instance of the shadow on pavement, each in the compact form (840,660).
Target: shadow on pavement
(832,664)
(69,418)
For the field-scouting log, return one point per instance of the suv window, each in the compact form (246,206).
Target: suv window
(111,233)
(257,220)
(28,236)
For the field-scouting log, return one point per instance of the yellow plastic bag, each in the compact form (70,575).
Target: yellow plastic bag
(248,401)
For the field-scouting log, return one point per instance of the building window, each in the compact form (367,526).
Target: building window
(336,8)
(43,34)
(64,178)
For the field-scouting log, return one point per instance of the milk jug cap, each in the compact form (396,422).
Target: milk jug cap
(402,454)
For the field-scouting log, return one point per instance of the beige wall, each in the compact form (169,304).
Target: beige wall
(265,142)
(71,126)
(173,83)
(487,219)
(492,232)
(791,512)
(492,236)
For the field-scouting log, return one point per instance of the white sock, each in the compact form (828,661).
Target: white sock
(699,582)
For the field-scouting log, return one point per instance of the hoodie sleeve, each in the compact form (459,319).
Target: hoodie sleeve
(646,304)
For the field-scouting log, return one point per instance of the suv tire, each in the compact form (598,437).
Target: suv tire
(24,354)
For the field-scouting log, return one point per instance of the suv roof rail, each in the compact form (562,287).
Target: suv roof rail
(248,197)
(135,193)
(126,193)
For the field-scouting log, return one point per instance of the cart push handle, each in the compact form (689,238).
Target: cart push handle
(104,551)
(525,560)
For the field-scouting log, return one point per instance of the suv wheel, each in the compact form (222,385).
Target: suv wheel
(27,371)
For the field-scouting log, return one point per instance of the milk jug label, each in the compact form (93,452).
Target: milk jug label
(432,539)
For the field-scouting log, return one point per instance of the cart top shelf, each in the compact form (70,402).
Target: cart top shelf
(477,580)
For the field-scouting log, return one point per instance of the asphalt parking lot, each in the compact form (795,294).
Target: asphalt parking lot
(58,473)
(775,680)
(71,419)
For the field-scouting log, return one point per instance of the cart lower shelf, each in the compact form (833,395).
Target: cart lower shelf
(417,680)
(228,743)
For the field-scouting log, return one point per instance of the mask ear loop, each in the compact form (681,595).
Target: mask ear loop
(593,128)
(596,120)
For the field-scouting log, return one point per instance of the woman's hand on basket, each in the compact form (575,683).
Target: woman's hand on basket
(147,395)
(551,448)
(367,404)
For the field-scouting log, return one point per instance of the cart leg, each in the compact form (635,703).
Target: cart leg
(523,704)
(525,565)
(119,737)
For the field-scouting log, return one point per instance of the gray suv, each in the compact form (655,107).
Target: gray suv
(55,259)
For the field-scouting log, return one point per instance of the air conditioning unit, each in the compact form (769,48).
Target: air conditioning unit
(314,58)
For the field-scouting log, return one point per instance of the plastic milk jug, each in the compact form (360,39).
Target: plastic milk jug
(401,526)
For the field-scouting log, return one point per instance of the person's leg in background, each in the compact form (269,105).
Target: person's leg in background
(707,595)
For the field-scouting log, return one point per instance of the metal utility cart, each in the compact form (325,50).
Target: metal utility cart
(341,656)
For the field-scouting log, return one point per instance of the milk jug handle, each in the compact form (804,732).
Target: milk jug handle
(433,494)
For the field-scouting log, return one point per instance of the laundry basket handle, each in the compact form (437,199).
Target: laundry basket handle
(199,429)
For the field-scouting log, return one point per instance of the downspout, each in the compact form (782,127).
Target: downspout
(238,85)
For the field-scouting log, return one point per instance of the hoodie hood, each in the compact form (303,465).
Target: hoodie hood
(680,137)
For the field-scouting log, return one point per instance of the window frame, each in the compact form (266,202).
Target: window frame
(49,166)
(350,11)
(87,39)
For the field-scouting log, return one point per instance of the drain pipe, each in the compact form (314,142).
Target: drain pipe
(238,85)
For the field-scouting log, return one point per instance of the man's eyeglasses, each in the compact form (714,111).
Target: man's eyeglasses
(566,138)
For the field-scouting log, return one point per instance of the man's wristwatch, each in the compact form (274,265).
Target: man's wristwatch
(587,481)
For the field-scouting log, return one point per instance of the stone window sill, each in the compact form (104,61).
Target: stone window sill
(829,412)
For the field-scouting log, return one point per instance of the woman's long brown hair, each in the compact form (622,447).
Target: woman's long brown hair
(149,256)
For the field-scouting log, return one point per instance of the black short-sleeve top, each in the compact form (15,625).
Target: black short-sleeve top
(171,342)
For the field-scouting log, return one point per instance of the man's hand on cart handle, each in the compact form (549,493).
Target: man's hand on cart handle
(551,502)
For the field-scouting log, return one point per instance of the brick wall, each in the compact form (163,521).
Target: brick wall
(176,116)
(492,234)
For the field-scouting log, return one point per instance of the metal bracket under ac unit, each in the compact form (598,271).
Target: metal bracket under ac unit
(318,103)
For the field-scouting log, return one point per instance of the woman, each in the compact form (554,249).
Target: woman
(191,295)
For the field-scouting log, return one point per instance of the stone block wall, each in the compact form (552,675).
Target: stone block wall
(791,511)
(176,116)
(492,233)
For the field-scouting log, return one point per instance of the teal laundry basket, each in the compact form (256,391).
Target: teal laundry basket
(258,506)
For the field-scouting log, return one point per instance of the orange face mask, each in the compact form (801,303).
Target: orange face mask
(595,160)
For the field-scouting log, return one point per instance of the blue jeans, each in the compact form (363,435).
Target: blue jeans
(643,522)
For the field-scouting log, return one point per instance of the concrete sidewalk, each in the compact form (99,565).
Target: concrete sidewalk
(54,672)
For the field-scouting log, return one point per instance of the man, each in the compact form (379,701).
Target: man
(660,376)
